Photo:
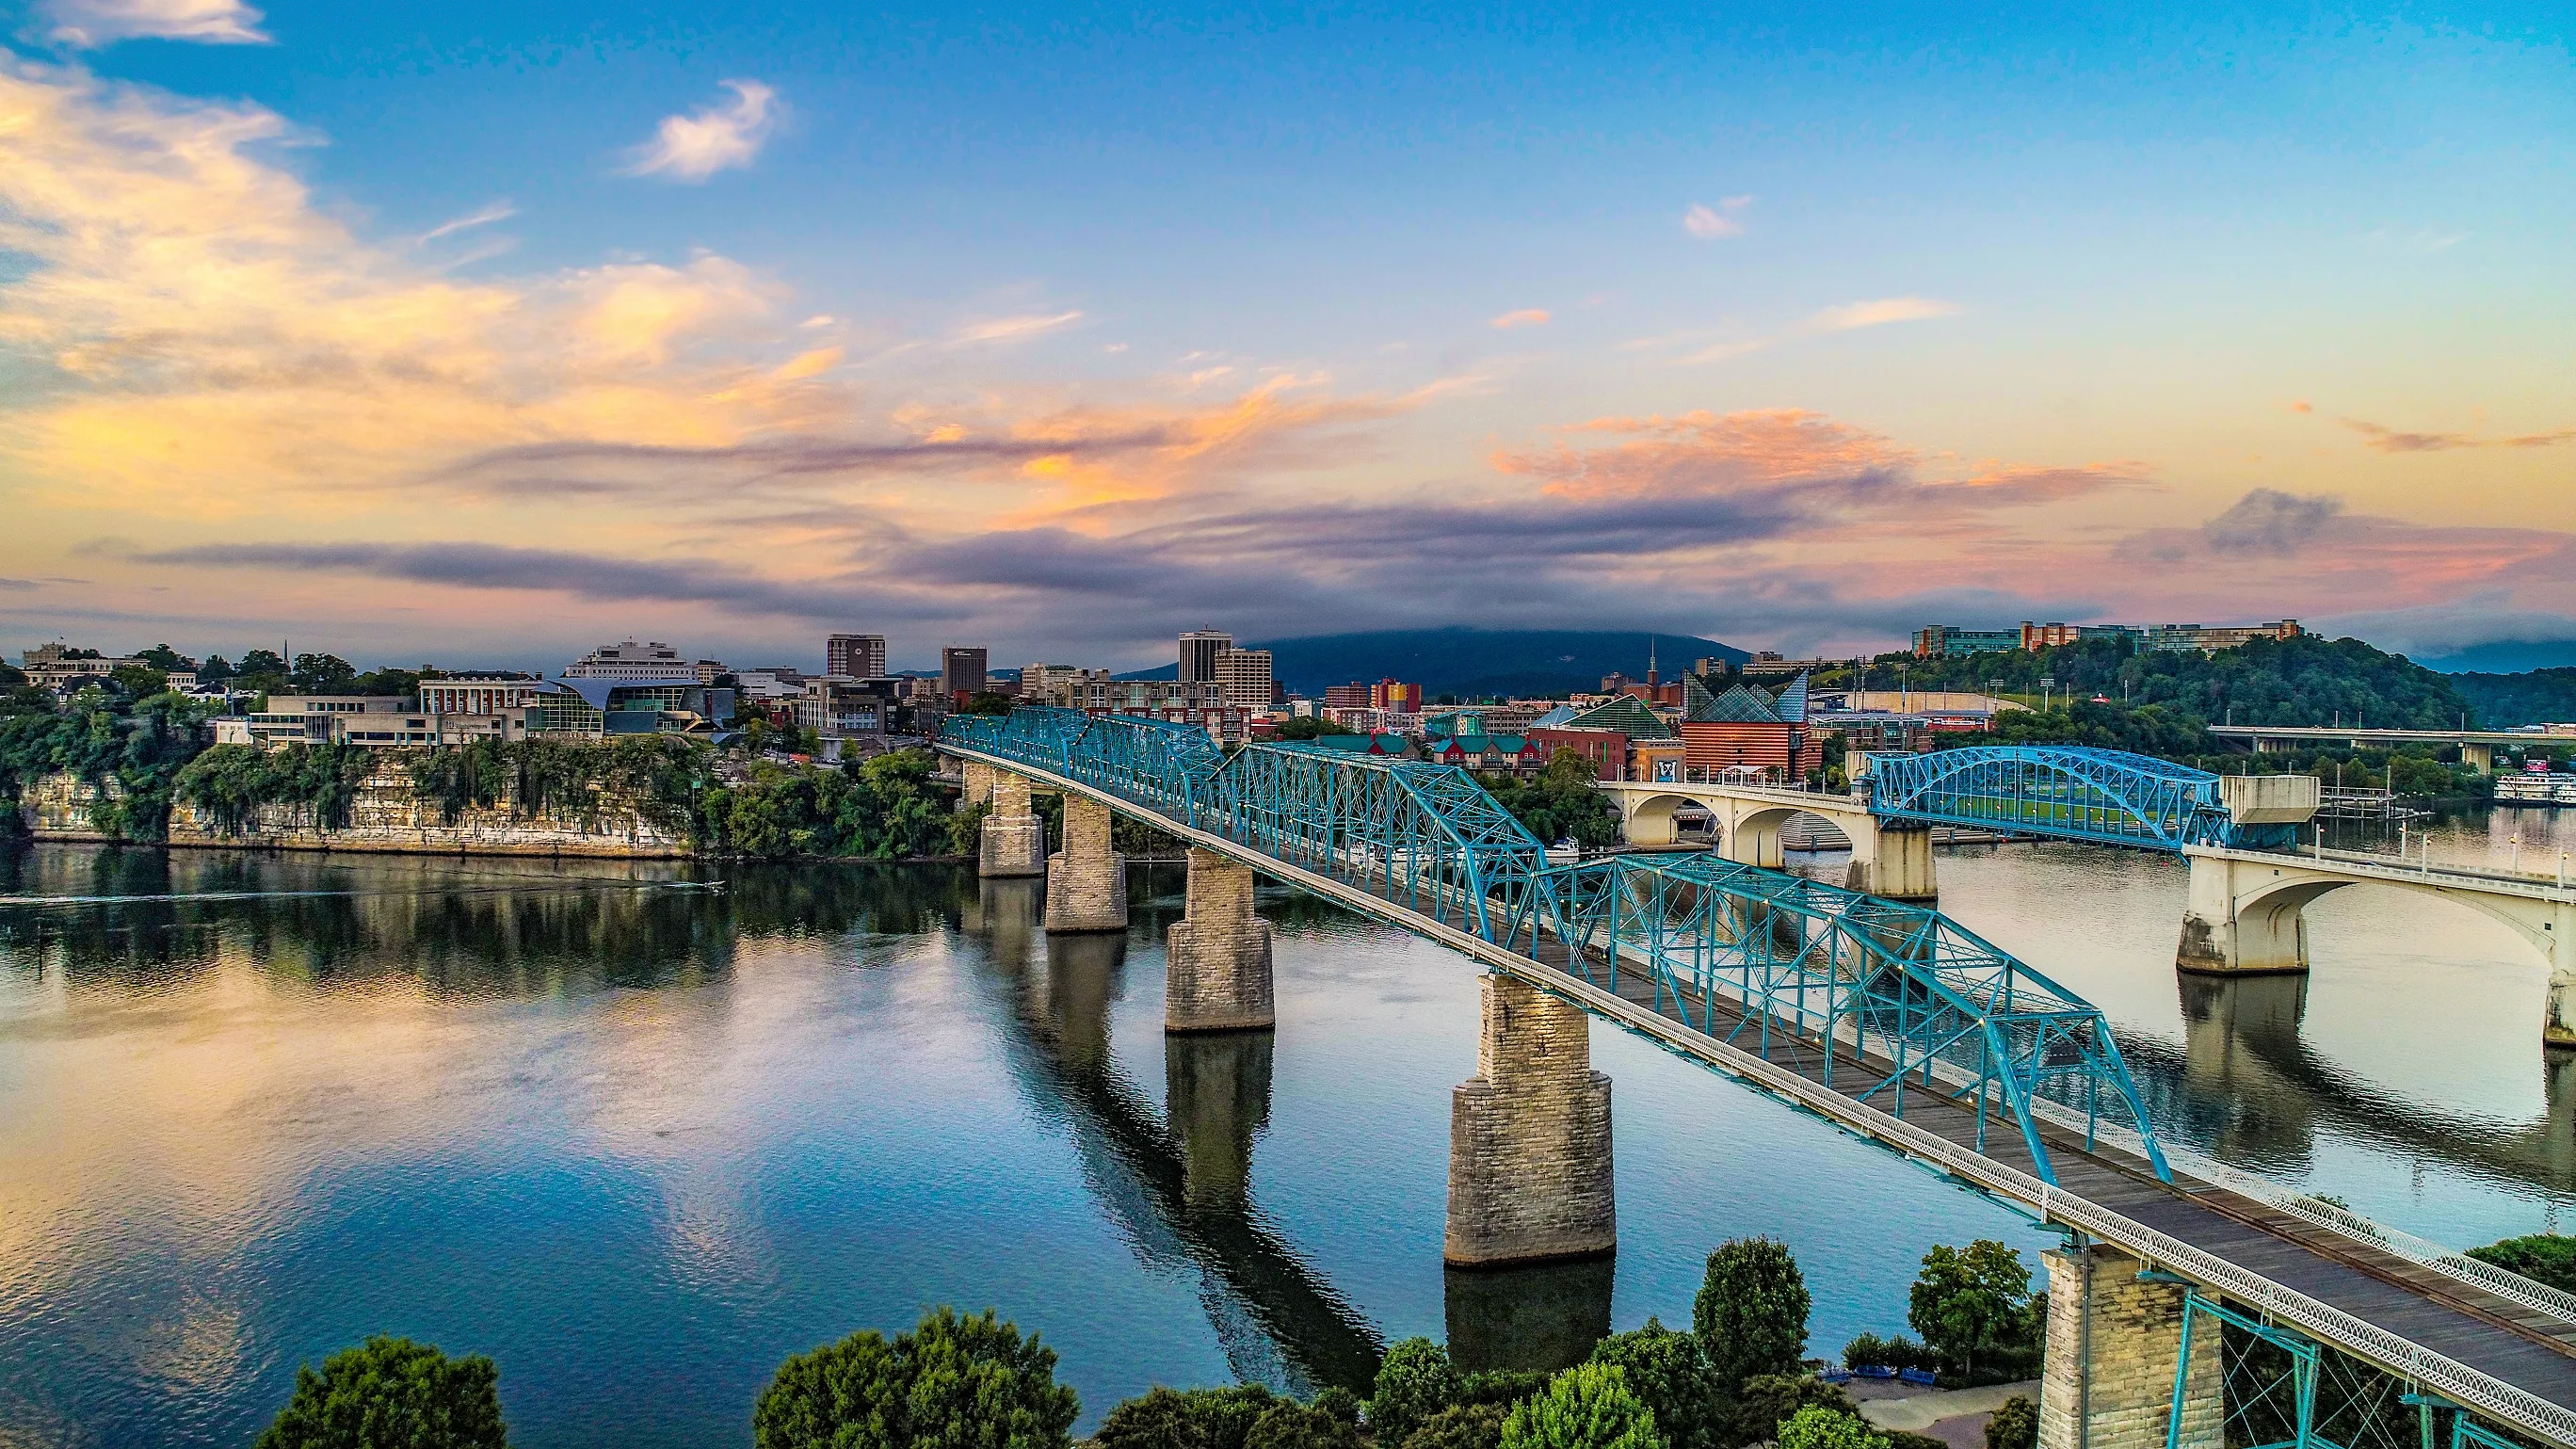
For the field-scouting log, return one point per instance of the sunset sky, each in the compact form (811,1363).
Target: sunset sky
(483,333)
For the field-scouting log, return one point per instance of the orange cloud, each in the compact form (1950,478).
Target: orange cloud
(1525,317)
(2390,440)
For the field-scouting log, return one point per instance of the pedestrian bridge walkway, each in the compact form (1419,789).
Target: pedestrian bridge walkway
(1883,1017)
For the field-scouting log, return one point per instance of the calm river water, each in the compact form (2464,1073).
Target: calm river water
(639,1139)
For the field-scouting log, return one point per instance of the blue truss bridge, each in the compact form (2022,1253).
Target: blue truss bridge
(2105,797)
(1886,1018)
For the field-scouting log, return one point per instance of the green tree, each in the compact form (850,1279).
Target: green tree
(323,674)
(1769,1400)
(165,658)
(1589,1406)
(1970,1301)
(1415,1381)
(2542,1257)
(1816,1427)
(1185,1419)
(1560,803)
(1287,1424)
(139,682)
(1460,1426)
(1309,726)
(1751,1313)
(988,702)
(952,1382)
(2015,1425)
(1670,1373)
(392,1393)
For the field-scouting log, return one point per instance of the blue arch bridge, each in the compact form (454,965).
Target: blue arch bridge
(2215,1309)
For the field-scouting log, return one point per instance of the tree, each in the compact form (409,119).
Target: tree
(1185,1419)
(2015,1425)
(2542,1257)
(392,1393)
(1669,1372)
(1415,1381)
(989,702)
(1751,1314)
(323,674)
(1460,1426)
(954,1382)
(1310,726)
(1968,1301)
(1816,1427)
(165,658)
(1588,1406)
(1769,1400)
(139,682)
(1287,1424)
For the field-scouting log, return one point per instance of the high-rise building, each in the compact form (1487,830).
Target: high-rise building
(1199,649)
(961,671)
(1244,676)
(631,660)
(854,656)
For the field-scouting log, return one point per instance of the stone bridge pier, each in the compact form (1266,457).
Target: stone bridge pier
(979,785)
(1217,957)
(1086,880)
(1529,1137)
(2114,1342)
(1014,840)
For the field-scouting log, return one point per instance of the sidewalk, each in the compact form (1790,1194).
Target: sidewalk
(1956,1417)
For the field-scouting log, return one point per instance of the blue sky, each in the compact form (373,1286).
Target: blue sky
(1295,277)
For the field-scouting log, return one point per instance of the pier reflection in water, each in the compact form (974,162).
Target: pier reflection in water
(640,1136)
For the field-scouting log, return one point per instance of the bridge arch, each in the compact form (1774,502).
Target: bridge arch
(2071,792)
(1648,820)
(2275,911)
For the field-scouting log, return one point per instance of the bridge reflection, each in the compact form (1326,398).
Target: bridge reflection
(2244,1084)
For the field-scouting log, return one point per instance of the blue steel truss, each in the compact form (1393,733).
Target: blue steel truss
(2109,797)
(1770,962)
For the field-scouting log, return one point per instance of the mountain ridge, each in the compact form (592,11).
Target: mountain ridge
(1462,661)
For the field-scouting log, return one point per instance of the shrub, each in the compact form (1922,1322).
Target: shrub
(1504,1387)
(1287,1424)
(1669,1372)
(1769,1400)
(1341,1403)
(1751,1314)
(1415,1382)
(1971,1301)
(392,1393)
(2015,1425)
(961,1383)
(1588,1406)
(1817,1427)
(1899,1352)
(1185,1419)
(1461,1426)
(2542,1257)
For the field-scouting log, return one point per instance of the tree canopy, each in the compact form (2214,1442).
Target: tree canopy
(1970,1301)
(1414,1381)
(1672,1375)
(1589,1406)
(2548,1258)
(954,1382)
(1751,1313)
(392,1393)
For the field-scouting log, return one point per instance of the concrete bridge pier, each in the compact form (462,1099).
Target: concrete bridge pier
(1217,957)
(1014,840)
(2226,933)
(979,785)
(2558,1027)
(1892,859)
(1529,1137)
(2114,1342)
(1086,880)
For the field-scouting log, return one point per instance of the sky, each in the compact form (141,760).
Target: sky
(483,333)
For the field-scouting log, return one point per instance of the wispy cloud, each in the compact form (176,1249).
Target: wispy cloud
(2391,440)
(1525,317)
(1013,329)
(1880,312)
(1718,222)
(497,211)
(88,24)
(712,138)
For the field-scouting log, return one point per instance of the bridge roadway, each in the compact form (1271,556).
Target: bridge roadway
(2510,1359)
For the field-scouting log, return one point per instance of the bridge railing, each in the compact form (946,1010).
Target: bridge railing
(1796,962)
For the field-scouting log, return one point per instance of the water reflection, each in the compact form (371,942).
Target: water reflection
(1180,1192)
(1544,1317)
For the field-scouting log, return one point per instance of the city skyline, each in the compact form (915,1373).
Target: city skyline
(494,333)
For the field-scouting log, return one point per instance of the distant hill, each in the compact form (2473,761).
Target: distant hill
(1464,662)
(2542,696)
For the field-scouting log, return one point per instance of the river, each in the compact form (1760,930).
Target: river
(639,1138)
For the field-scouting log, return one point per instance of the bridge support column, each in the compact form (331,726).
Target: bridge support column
(979,785)
(1216,975)
(1014,842)
(2480,758)
(1751,840)
(1086,880)
(2558,1029)
(1529,1137)
(2221,937)
(2114,1342)
(1891,858)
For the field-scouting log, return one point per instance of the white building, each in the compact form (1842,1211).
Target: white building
(478,694)
(1244,677)
(631,660)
